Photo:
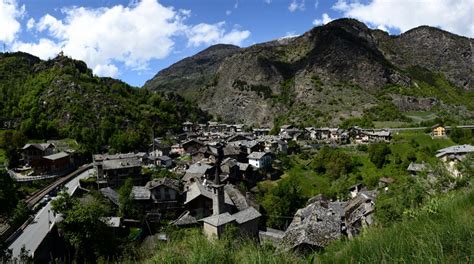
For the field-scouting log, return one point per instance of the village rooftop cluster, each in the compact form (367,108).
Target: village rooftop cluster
(209,163)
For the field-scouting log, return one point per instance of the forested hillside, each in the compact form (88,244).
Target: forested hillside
(61,98)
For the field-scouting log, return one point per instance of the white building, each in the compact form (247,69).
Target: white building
(260,159)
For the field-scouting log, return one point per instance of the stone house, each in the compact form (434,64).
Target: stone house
(198,200)
(258,132)
(166,195)
(451,156)
(246,221)
(197,172)
(57,163)
(192,146)
(230,168)
(32,154)
(261,160)
(177,149)
(113,170)
(164,161)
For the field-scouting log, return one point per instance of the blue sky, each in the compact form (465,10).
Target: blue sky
(133,40)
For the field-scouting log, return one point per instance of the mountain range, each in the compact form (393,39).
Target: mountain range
(329,75)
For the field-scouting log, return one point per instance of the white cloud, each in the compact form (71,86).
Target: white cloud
(267,1)
(325,18)
(131,35)
(10,12)
(296,5)
(452,15)
(44,48)
(228,12)
(316,4)
(212,34)
(106,70)
(382,27)
(30,24)
(289,35)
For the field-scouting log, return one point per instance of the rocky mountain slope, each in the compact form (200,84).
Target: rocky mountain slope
(62,98)
(342,70)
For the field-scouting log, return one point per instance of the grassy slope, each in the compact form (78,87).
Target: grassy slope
(443,232)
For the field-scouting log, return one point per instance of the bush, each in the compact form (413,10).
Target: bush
(378,154)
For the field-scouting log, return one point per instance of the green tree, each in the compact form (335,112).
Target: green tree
(84,227)
(378,154)
(20,214)
(125,198)
(282,202)
(12,141)
(461,136)
(8,196)
(333,163)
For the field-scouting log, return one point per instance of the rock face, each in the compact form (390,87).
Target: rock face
(322,222)
(412,103)
(326,75)
(193,72)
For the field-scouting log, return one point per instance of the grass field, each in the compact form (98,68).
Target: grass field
(390,124)
(441,232)
(423,145)
(421,116)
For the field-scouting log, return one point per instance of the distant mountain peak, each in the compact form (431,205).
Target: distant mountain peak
(336,69)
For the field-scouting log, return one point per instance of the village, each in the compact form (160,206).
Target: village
(205,178)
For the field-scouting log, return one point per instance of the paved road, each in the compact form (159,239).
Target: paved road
(422,128)
(36,231)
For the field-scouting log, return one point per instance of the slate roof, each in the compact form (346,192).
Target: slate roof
(243,166)
(41,146)
(417,167)
(237,197)
(57,156)
(256,155)
(101,157)
(170,183)
(199,168)
(229,162)
(316,225)
(121,163)
(196,189)
(185,219)
(218,220)
(140,193)
(246,215)
(195,171)
(459,149)
(110,194)
(230,151)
